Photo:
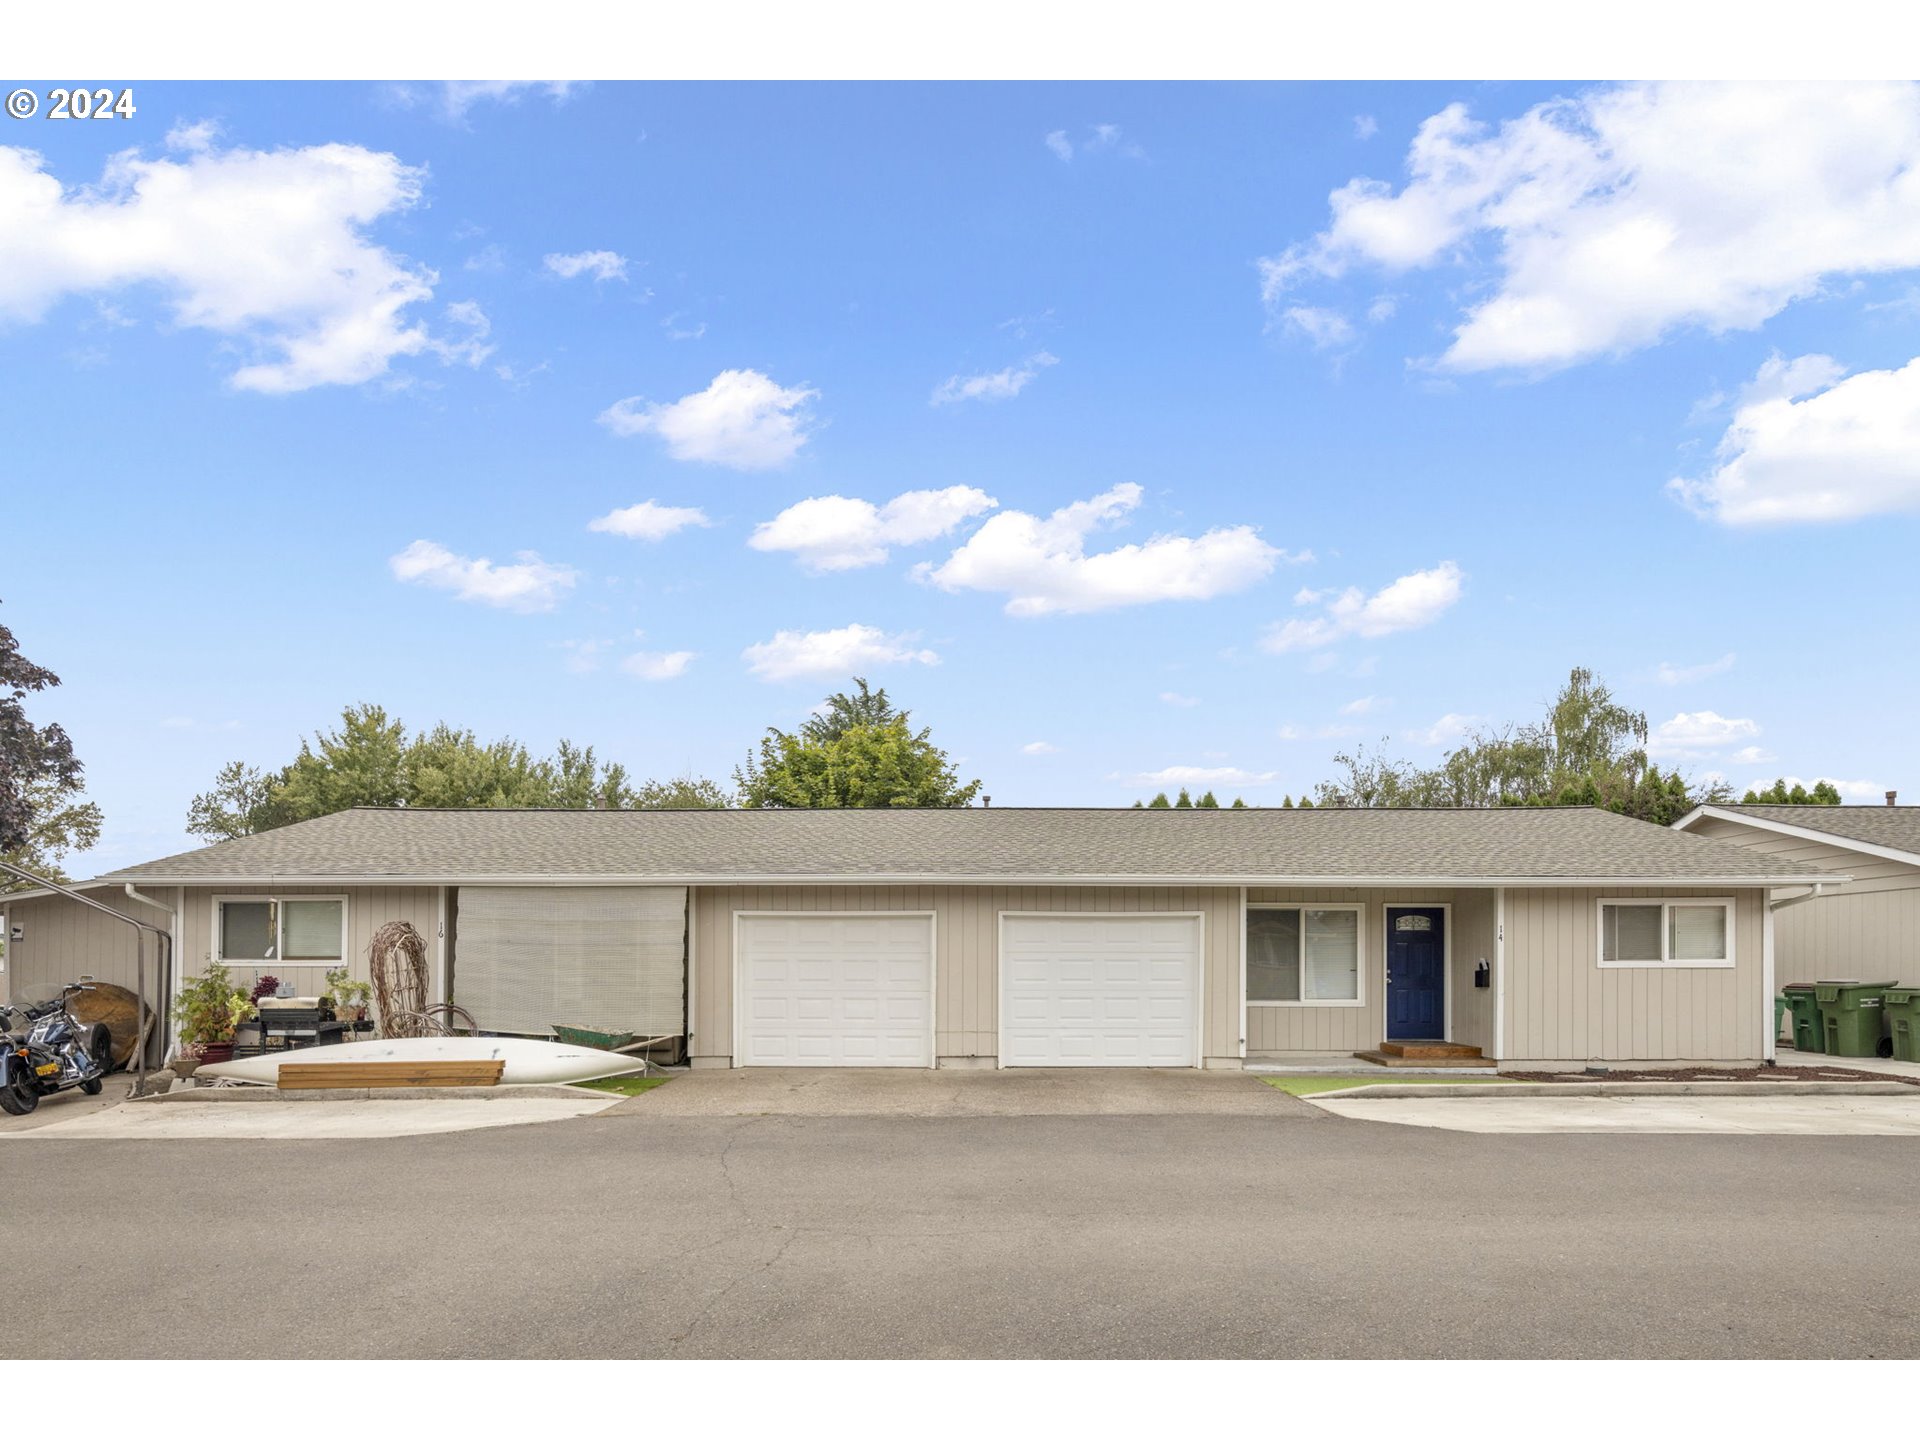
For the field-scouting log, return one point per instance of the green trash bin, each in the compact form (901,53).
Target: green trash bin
(1808,1036)
(1903,1021)
(1850,1014)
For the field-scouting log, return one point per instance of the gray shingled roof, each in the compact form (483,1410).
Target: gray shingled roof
(1895,826)
(1232,846)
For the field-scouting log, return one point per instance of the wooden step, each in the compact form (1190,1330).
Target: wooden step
(1429,1049)
(1475,1061)
(388,1074)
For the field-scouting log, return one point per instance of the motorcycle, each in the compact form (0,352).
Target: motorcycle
(57,1052)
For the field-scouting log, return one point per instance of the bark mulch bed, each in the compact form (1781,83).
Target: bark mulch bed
(1759,1073)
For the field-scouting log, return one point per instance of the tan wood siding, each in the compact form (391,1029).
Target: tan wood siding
(64,940)
(1471,942)
(368,908)
(1281,1030)
(967,942)
(1867,929)
(1562,1006)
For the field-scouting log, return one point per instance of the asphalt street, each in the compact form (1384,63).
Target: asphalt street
(1280,1231)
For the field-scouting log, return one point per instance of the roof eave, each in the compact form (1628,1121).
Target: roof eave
(1803,832)
(1804,877)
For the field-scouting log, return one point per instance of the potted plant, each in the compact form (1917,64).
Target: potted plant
(350,997)
(209,1009)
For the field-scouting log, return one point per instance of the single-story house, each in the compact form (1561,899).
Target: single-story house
(1011,937)
(1863,923)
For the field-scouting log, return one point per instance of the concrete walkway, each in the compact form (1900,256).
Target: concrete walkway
(951,1093)
(313,1120)
(1643,1114)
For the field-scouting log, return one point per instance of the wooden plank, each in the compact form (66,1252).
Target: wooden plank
(389,1074)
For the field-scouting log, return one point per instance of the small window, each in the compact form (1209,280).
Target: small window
(1303,955)
(310,929)
(1688,934)
(248,930)
(1413,922)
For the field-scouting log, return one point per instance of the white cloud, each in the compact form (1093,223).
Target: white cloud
(528,585)
(1408,603)
(678,327)
(1850,450)
(454,98)
(1365,127)
(649,520)
(658,664)
(1202,775)
(1324,329)
(999,385)
(833,532)
(194,136)
(1621,214)
(468,349)
(1365,705)
(1179,701)
(1039,747)
(600,264)
(1097,140)
(743,420)
(267,249)
(1449,728)
(1382,309)
(1669,674)
(796,654)
(1753,755)
(1691,735)
(1043,565)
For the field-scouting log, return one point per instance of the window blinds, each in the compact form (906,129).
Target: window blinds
(1332,954)
(1698,932)
(610,957)
(310,929)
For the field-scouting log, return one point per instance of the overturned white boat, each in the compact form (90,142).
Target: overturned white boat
(527,1062)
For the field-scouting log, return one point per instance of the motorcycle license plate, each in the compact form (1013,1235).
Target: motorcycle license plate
(46,1069)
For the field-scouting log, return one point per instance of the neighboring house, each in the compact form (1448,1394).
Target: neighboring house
(1867,927)
(979,937)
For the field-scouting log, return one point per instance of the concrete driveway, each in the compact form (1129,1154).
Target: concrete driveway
(951,1093)
(1278,1231)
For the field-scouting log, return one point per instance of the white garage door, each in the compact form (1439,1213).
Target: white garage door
(835,989)
(1099,989)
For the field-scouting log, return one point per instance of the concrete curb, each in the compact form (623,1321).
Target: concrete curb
(259,1094)
(1534,1090)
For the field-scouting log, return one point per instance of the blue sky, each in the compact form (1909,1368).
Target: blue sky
(1224,425)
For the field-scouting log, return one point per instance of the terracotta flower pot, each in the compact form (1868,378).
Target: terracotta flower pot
(216,1054)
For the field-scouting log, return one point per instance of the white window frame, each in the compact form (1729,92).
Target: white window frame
(1359,1000)
(216,938)
(1666,961)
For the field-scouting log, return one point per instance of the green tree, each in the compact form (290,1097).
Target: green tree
(62,823)
(683,792)
(841,712)
(1588,749)
(863,767)
(241,802)
(1160,802)
(1207,801)
(448,769)
(577,781)
(1185,802)
(38,770)
(364,762)
(1823,793)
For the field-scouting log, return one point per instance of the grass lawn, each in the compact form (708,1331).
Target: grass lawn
(625,1084)
(1314,1084)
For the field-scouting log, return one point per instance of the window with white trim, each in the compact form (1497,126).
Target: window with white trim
(267,934)
(1671,934)
(1303,955)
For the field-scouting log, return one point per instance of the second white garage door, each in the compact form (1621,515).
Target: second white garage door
(1099,989)
(835,989)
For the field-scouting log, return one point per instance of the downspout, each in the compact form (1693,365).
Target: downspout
(163,982)
(20,872)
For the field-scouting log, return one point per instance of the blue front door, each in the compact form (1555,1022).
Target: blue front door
(1416,973)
